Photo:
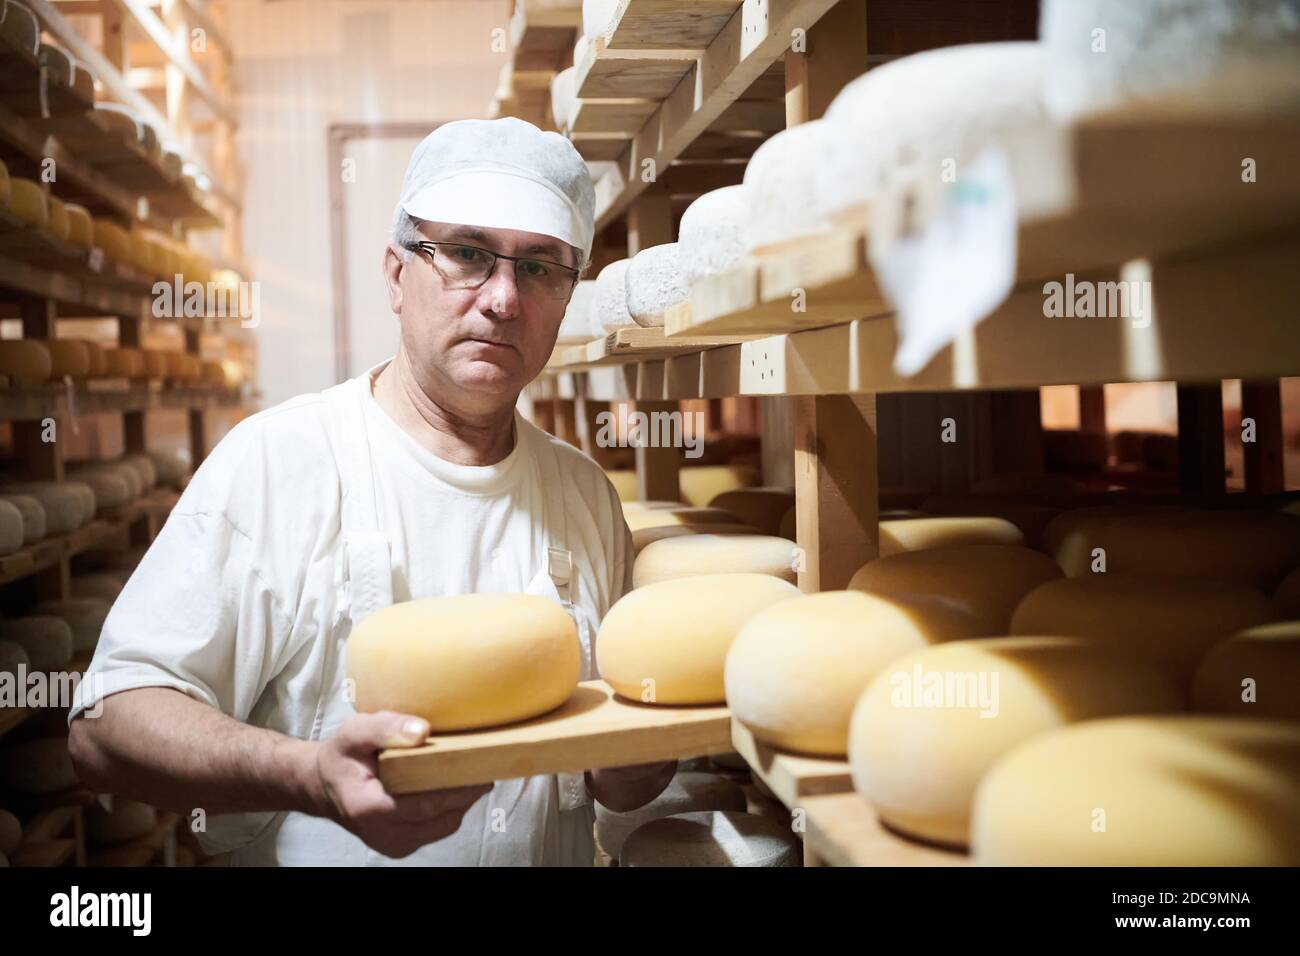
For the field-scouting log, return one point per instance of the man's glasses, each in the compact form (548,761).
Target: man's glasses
(468,267)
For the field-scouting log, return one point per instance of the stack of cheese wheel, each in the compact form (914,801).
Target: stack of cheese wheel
(56,223)
(1255,548)
(25,363)
(113,486)
(48,640)
(171,467)
(797,668)
(69,358)
(114,241)
(931,724)
(643,537)
(85,616)
(609,306)
(1189,56)
(687,792)
(762,508)
(712,838)
(98,363)
(32,513)
(471,660)
(667,643)
(624,482)
(124,362)
(654,284)
(13,656)
(707,554)
(1253,673)
(918,110)
(711,236)
(67,504)
(576,326)
(1166,620)
(921,534)
(81,227)
(11,528)
(127,820)
(37,767)
(27,201)
(986,581)
(700,484)
(780,188)
(143,467)
(1031,518)
(212,374)
(155,364)
(676,515)
(1145,791)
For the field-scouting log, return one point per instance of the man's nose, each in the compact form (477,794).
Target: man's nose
(499,295)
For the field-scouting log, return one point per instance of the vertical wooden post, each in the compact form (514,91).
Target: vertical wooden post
(197,418)
(1200,438)
(658,470)
(650,219)
(566,425)
(1264,464)
(1092,409)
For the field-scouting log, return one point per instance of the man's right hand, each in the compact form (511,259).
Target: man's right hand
(350,793)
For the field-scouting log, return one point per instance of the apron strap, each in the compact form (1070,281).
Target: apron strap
(559,559)
(369,555)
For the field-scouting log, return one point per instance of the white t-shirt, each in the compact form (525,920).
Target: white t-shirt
(240,596)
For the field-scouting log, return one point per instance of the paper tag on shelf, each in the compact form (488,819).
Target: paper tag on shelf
(96,260)
(44,92)
(946,270)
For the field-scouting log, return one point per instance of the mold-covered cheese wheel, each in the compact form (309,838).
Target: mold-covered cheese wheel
(712,838)
(84,615)
(688,792)
(33,516)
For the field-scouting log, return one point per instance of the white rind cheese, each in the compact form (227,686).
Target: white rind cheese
(716,838)
(711,236)
(655,283)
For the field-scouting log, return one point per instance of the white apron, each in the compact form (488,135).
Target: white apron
(533,820)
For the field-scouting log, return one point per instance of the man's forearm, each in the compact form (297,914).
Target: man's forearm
(157,745)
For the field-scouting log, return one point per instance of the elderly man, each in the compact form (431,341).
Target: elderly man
(222,664)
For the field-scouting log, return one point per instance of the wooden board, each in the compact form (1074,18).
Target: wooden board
(669,24)
(843,830)
(593,729)
(620,74)
(625,116)
(792,777)
(634,345)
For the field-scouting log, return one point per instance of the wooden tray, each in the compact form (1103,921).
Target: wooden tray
(792,777)
(593,729)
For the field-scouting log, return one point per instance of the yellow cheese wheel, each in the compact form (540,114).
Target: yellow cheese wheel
(471,660)
(211,373)
(27,201)
(1247,547)
(797,668)
(645,536)
(68,358)
(1170,621)
(81,228)
(1254,673)
(762,508)
(986,581)
(712,838)
(114,240)
(155,363)
(95,354)
(1288,594)
(920,534)
(700,484)
(138,251)
(124,362)
(37,766)
(1031,519)
(931,724)
(56,223)
(190,368)
(707,554)
(48,640)
(667,643)
(1145,791)
(660,517)
(26,362)
(624,482)
(4,183)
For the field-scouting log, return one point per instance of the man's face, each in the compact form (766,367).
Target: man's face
(479,347)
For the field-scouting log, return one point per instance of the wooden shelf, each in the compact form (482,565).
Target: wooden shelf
(634,345)
(669,24)
(842,830)
(792,777)
(102,396)
(594,728)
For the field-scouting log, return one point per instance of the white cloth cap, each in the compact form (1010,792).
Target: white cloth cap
(502,174)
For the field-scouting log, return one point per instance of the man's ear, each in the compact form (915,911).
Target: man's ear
(393,264)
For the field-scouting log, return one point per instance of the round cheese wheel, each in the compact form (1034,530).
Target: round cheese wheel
(63,503)
(104,587)
(1145,791)
(1192,56)
(663,517)
(667,643)
(655,283)
(13,654)
(26,362)
(598,17)
(797,668)
(47,639)
(84,615)
(127,820)
(85,495)
(11,831)
(624,482)
(711,236)
(68,358)
(170,466)
(986,581)
(471,660)
(1254,673)
(562,96)
(643,537)
(1256,548)
(33,516)
(143,467)
(712,838)
(98,364)
(700,484)
(212,373)
(155,363)
(609,306)
(1167,620)
(576,326)
(27,201)
(920,534)
(1287,595)
(709,554)
(763,508)
(110,488)
(780,188)
(38,766)
(138,251)
(931,724)
(11,528)
(124,362)
(113,240)
(56,223)
(81,227)
(687,792)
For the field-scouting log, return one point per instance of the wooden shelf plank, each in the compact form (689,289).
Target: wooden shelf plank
(843,830)
(593,729)
(634,345)
(669,24)
(606,74)
(792,777)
